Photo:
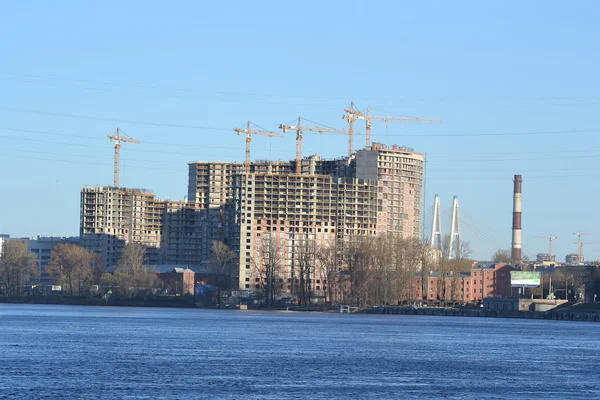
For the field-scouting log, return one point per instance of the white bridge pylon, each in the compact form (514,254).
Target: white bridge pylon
(437,240)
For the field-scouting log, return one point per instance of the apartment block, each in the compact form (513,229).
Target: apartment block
(400,173)
(374,191)
(295,211)
(112,217)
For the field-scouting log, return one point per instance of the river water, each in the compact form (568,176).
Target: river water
(78,352)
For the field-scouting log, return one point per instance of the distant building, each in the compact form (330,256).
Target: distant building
(111,217)
(374,191)
(482,281)
(3,239)
(180,280)
(572,259)
(41,247)
(545,258)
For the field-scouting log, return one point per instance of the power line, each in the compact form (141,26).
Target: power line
(195,155)
(185,90)
(185,164)
(482,135)
(265,149)
(515,152)
(87,162)
(106,119)
(101,138)
(512,170)
(285,96)
(516,159)
(452,178)
(125,121)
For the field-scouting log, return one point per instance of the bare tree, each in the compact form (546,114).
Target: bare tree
(328,271)
(70,265)
(502,256)
(269,265)
(305,257)
(222,257)
(17,266)
(132,258)
(409,264)
(131,276)
(427,259)
(221,263)
(356,257)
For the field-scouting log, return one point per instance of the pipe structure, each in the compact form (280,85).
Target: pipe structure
(516,225)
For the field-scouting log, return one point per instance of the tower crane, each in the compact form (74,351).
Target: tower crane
(368,118)
(550,239)
(580,244)
(352,114)
(299,128)
(117,138)
(249,132)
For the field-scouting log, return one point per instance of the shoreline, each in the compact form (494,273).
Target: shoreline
(183,302)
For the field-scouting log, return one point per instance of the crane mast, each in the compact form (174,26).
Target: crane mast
(580,244)
(249,132)
(299,128)
(550,240)
(117,138)
(352,114)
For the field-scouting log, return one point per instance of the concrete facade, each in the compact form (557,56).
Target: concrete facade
(372,192)
(112,217)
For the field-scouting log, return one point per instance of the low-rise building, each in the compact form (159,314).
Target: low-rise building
(482,281)
(41,247)
(181,281)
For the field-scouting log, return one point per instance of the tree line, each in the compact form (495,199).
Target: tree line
(76,270)
(365,271)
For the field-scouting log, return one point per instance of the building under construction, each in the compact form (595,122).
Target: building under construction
(373,191)
(330,202)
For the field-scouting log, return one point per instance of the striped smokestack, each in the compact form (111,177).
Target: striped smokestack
(516,225)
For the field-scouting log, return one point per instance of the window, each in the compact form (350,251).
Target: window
(247,279)
(247,286)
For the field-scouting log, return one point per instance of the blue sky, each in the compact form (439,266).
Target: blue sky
(515,84)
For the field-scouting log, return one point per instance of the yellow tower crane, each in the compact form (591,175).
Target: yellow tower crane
(249,132)
(352,114)
(580,243)
(117,138)
(550,240)
(299,128)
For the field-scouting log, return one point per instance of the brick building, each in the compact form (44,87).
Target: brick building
(180,281)
(484,280)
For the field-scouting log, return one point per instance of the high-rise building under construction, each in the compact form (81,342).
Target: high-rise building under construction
(374,191)
(331,202)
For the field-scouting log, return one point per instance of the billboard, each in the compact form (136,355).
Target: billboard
(525,279)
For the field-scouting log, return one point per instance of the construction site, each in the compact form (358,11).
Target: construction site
(255,205)
(269,212)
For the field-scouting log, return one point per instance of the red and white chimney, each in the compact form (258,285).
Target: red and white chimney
(516,225)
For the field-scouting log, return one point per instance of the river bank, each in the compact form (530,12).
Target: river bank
(161,301)
(571,314)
